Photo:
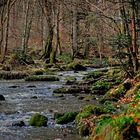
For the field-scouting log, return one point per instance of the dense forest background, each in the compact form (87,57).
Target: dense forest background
(99,30)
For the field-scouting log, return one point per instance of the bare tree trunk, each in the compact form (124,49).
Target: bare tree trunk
(75,32)
(28,11)
(57,46)
(134,38)
(49,18)
(6,32)
(25,15)
(87,40)
(2,26)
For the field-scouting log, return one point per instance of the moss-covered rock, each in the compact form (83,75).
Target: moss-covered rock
(117,72)
(89,110)
(67,90)
(2,98)
(9,75)
(117,92)
(41,78)
(100,87)
(88,98)
(58,115)
(93,75)
(70,80)
(58,95)
(75,66)
(66,118)
(38,120)
(38,71)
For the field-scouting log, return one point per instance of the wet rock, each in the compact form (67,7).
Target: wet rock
(20,124)
(14,86)
(51,111)
(70,80)
(34,97)
(2,98)
(76,66)
(31,86)
(38,120)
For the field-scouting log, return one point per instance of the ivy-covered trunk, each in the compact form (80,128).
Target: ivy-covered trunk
(134,38)
(48,46)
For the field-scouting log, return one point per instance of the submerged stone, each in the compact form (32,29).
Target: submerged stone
(34,97)
(2,98)
(20,124)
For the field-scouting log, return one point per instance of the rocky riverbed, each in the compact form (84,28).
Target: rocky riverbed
(23,99)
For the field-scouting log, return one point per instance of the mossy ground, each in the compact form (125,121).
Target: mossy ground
(118,118)
(9,75)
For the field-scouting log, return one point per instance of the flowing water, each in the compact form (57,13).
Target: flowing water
(23,99)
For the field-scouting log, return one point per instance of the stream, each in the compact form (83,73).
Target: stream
(23,99)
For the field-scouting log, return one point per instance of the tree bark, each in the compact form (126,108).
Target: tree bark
(74,32)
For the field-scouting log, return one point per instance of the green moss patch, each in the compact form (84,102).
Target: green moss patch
(117,92)
(89,110)
(38,120)
(100,87)
(93,75)
(70,80)
(122,127)
(66,117)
